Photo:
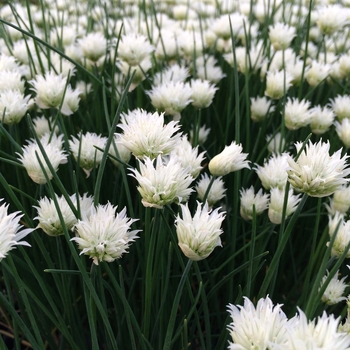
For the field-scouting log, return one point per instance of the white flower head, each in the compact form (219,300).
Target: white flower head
(281,35)
(342,238)
(259,108)
(202,93)
(317,73)
(257,327)
(344,65)
(146,135)
(31,153)
(274,172)
(11,80)
(133,48)
(340,201)
(104,235)
(171,97)
(277,84)
(11,231)
(250,199)
(297,113)
(71,101)
(229,160)
(161,182)
(93,45)
(341,106)
(226,24)
(277,197)
(13,106)
(49,90)
(316,172)
(8,63)
(188,156)
(216,192)
(118,150)
(207,70)
(84,149)
(202,135)
(246,59)
(44,126)
(326,16)
(174,73)
(275,143)
(48,218)
(321,119)
(200,234)
(343,131)
(138,71)
(334,290)
(320,333)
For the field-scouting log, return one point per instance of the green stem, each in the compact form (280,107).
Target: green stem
(171,324)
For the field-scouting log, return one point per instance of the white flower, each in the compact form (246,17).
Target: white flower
(316,172)
(93,45)
(343,131)
(202,135)
(11,231)
(49,89)
(281,35)
(296,68)
(171,97)
(71,101)
(174,73)
(344,65)
(138,71)
(31,153)
(341,106)
(276,205)
(8,63)
(104,235)
(13,106)
(84,150)
(259,108)
(224,25)
(118,150)
(340,201)
(274,172)
(133,48)
(259,327)
(275,143)
(326,16)
(297,113)
(317,73)
(316,334)
(206,69)
(334,290)
(188,156)
(246,60)
(202,93)
(146,135)
(11,80)
(321,119)
(48,218)
(277,84)
(43,125)
(200,234)
(229,160)
(162,183)
(249,200)
(216,192)
(342,238)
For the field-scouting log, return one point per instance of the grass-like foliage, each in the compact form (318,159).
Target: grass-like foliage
(174,174)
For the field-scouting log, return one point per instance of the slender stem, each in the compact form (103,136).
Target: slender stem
(171,324)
